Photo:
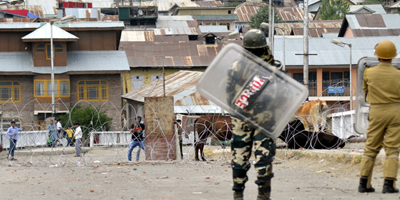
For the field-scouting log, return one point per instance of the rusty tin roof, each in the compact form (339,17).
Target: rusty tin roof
(175,54)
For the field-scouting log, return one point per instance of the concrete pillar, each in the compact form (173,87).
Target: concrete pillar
(160,138)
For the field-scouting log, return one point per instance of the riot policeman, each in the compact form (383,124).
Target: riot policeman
(244,135)
(382,89)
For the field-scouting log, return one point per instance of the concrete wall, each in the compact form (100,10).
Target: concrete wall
(22,110)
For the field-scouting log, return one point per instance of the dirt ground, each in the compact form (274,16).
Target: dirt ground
(103,174)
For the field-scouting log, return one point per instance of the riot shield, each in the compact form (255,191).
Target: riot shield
(362,107)
(252,90)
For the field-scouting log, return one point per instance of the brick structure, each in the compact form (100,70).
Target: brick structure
(160,140)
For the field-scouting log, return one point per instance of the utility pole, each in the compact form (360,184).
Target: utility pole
(273,28)
(270,30)
(305,47)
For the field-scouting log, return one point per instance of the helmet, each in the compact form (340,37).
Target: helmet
(254,39)
(385,50)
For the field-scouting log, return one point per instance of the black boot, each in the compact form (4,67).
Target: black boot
(388,187)
(238,195)
(362,188)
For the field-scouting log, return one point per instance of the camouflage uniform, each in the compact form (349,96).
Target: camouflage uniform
(245,136)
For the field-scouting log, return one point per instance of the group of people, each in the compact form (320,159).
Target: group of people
(57,132)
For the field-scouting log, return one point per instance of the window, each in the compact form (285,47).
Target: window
(93,90)
(137,81)
(40,48)
(43,88)
(64,88)
(193,37)
(229,12)
(57,48)
(10,90)
(346,79)
(49,88)
(156,77)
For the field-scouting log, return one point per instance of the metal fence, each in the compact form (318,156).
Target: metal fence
(330,88)
(26,139)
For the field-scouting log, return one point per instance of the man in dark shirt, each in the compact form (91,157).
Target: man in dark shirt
(137,138)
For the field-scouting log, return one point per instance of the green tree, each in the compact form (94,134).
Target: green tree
(367,2)
(263,16)
(89,119)
(333,9)
(234,4)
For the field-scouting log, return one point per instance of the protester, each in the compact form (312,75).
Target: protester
(78,140)
(137,139)
(53,133)
(59,129)
(180,131)
(12,132)
(70,133)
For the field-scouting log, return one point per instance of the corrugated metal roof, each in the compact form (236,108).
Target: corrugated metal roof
(93,24)
(137,36)
(328,54)
(374,8)
(366,21)
(176,18)
(37,7)
(396,5)
(28,25)
(44,33)
(216,17)
(171,54)
(78,61)
(110,18)
(176,31)
(83,12)
(210,3)
(100,3)
(323,24)
(80,24)
(166,6)
(181,85)
(245,10)
(315,32)
(293,14)
(214,29)
(373,25)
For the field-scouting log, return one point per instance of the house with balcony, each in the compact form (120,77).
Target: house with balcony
(329,66)
(87,69)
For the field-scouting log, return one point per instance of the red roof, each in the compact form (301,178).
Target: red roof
(17,12)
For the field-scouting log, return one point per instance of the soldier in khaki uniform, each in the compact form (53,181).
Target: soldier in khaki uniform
(382,87)
(244,135)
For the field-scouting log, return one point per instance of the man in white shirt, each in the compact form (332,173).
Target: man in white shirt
(59,128)
(78,140)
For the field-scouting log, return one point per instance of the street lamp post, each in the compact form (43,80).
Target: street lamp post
(341,44)
(62,20)
(283,50)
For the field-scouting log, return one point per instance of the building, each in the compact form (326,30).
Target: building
(87,69)
(369,25)
(182,86)
(330,66)
(317,28)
